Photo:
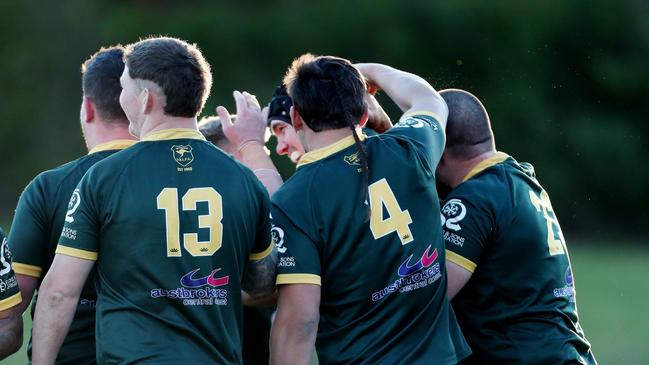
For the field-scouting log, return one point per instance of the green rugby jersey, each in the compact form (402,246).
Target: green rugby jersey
(383,280)
(519,307)
(9,292)
(172,222)
(35,232)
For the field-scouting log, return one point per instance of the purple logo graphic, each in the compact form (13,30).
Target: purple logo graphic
(568,276)
(426,260)
(188,281)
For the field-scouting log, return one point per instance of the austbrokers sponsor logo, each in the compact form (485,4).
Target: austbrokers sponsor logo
(197,290)
(568,291)
(413,276)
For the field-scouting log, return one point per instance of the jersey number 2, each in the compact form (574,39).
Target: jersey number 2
(168,201)
(381,195)
(543,205)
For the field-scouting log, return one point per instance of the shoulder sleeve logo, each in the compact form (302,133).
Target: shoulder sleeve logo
(415,122)
(75,200)
(453,212)
(277,235)
(182,154)
(5,258)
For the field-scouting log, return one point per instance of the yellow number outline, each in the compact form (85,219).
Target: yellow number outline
(381,195)
(542,204)
(167,200)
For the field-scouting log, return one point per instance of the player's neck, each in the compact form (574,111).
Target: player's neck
(315,140)
(152,124)
(103,132)
(465,166)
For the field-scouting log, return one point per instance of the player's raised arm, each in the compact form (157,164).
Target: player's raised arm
(410,92)
(246,133)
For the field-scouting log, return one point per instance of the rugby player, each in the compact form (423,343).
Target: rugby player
(177,227)
(43,206)
(11,323)
(507,260)
(361,253)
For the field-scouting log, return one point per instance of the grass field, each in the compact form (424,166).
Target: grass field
(613,298)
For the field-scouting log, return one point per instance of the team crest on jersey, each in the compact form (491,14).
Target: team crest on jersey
(453,212)
(353,159)
(182,154)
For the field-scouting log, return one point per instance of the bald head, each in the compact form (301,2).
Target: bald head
(468,130)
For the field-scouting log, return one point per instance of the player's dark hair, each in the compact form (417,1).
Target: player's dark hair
(100,82)
(468,129)
(177,67)
(328,93)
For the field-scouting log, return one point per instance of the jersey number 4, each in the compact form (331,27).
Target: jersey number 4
(555,236)
(168,201)
(381,195)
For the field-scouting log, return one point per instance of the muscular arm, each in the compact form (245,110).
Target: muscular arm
(292,337)
(58,298)
(11,322)
(11,331)
(410,92)
(259,278)
(27,285)
(457,278)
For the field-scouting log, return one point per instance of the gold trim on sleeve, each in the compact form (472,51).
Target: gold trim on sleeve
(27,270)
(298,279)
(75,252)
(421,112)
(11,301)
(260,255)
(460,260)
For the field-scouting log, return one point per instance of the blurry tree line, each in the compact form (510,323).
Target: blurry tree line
(566,82)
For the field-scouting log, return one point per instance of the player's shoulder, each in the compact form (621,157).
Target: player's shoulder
(58,176)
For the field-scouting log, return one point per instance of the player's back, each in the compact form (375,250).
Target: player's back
(36,228)
(520,300)
(178,221)
(383,279)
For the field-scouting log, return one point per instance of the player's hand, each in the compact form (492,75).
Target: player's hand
(377,118)
(250,124)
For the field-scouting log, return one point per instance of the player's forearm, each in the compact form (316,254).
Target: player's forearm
(54,313)
(11,335)
(409,91)
(254,156)
(292,340)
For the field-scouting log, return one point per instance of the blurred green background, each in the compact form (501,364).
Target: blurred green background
(566,85)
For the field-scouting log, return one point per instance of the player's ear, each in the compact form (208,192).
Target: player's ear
(148,99)
(87,110)
(296,119)
(364,118)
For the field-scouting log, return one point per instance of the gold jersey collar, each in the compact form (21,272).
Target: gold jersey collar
(117,144)
(329,150)
(485,164)
(174,133)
